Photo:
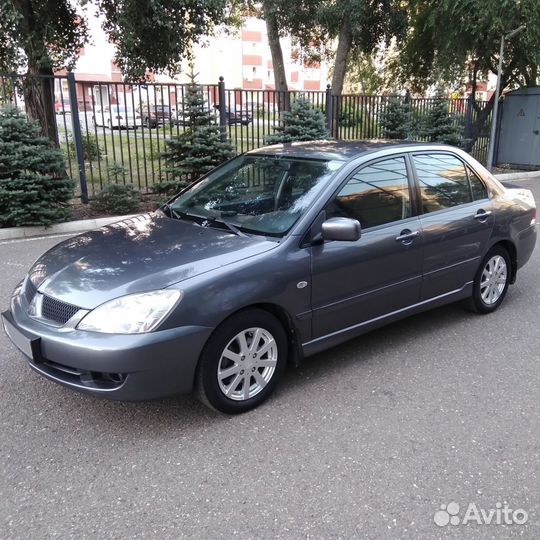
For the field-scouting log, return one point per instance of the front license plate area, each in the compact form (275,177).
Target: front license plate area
(27,345)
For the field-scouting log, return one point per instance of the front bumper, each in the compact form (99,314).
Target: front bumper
(121,367)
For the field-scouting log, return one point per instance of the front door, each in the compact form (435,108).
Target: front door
(354,282)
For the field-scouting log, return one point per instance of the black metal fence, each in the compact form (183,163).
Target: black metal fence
(116,132)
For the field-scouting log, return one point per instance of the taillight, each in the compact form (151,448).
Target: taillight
(533,219)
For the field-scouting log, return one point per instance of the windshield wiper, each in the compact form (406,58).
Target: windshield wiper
(230,226)
(179,214)
(200,220)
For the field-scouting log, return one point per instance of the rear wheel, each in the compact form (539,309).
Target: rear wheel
(491,281)
(242,362)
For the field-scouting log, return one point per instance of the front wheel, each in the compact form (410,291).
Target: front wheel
(491,281)
(242,362)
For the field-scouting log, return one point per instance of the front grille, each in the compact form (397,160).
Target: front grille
(56,310)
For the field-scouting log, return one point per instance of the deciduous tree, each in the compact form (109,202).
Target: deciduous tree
(41,36)
(451,40)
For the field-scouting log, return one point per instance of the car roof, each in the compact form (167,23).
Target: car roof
(333,150)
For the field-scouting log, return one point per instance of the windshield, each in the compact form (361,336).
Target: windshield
(258,194)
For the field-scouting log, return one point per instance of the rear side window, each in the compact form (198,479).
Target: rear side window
(478,188)
(375,195)
(442,180)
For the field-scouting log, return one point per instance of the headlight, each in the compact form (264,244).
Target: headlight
(131,314)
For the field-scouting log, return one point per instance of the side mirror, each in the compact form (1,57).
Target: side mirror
(341,229)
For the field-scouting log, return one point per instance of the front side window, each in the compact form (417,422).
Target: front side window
(256,193)
(375,195)
(442,180)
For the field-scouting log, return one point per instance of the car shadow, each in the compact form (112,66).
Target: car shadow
(185,415)
(373,346)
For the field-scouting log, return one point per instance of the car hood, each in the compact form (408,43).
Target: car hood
(138,254)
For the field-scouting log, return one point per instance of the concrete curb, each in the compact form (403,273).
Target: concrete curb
(517,176)
(82,225)
(16,233)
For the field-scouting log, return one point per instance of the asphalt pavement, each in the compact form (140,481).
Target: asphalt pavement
(366,440)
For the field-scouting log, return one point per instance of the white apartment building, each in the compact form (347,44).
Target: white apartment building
(241,56)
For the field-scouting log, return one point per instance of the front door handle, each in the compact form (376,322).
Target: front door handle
(482,214)
(407,236)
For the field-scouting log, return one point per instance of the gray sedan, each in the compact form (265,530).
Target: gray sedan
(272,257)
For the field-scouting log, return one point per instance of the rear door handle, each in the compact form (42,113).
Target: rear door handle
(407,236)
(482,214)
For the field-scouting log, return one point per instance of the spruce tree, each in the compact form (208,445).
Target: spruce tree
(302,123)
(199,148)
(34,188)
(441,126)
(395,119)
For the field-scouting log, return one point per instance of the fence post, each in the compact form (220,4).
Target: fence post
(328,106)
(222,108)
(469,111)
(77,137)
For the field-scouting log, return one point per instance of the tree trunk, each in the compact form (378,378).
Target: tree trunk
(475,128)
(38,86)
(280,78)
(342,53)
(38,91)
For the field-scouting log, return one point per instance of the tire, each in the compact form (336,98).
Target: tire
(482,301)
(224,353)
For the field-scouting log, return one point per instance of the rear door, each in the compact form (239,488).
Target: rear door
(353,282)
(456,220)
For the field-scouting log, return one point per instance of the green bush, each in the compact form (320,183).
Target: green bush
(117,199)
(302,123)
(396,119)
(442,126)
(91,148)
(199,149)
(34,188)
(168,188)
(116,173)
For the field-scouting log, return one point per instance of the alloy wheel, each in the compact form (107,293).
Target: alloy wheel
(247,364)
(493,280)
